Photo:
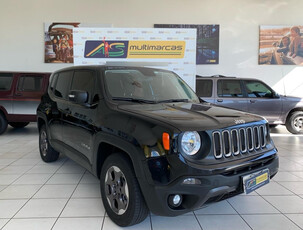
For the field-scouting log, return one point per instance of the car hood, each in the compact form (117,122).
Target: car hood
(191,116)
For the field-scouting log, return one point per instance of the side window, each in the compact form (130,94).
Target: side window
(53,82)
(257,89)
(30,84)
(84,80)
(204,88)
(63,84)
(5,81)
(229,88)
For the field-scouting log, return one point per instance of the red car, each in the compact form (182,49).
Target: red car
(20,94)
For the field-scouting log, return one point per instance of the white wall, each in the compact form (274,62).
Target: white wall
(22,32)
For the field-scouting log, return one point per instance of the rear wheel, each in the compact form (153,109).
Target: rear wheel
(294,123)
(18,124)
(3,123)
(121,194)
(47,153)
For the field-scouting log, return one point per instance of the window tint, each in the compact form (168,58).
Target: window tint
(229,88)
(204,88)
(257,89)
(53,82)
(30,84)
(147,84)
(5,81)
(63,83)
(83,80)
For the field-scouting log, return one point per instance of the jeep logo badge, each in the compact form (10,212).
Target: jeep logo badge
(239,121)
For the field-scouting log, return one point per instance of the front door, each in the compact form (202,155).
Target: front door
(78,131)
(263,101)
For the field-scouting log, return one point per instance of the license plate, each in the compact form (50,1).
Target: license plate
(255,180)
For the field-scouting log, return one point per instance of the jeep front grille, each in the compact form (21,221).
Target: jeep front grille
(243,140)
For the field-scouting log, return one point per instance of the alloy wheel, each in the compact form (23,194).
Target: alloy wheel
(116,189)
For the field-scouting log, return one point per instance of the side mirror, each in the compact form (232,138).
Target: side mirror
(276,95)
(78,96)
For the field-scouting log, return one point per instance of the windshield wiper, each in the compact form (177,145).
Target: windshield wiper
(133,100)
(173,100)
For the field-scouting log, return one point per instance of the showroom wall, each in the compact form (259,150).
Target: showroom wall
(22,31)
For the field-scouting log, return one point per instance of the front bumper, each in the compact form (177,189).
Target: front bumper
(213,187)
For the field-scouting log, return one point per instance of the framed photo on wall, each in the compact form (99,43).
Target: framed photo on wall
(280,45)
(207,49)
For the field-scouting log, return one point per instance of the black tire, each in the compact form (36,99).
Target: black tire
(120,191)
(3,123)
(18,124)
(294,123)
(47,153)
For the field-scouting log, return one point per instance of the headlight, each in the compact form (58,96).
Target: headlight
(190,142)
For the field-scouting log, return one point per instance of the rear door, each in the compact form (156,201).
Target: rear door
(230,93)
(27,95)
(59,106)
(262,100)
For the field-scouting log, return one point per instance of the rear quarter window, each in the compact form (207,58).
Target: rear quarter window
(204,88)
(5,82)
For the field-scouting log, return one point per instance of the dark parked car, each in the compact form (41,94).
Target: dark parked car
(20,94)
(144,133)
(253,96)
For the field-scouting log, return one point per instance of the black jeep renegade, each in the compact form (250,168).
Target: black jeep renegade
(151,142)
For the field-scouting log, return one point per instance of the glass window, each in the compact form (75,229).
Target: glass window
(147,84)
(83,80)
(30,84)
(229,88)
(63,84)
(257,89)
(204,88)
(5,82)
(53,82)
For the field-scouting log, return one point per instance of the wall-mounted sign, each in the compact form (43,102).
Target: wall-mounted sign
(280,45)
(173,49)
(207,41)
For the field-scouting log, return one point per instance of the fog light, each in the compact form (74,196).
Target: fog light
(175,200)
(191,181)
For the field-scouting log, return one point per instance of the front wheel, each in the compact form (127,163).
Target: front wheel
(121,194)
(294,123)
(47,153)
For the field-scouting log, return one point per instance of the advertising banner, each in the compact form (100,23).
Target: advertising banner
(207,41)
(280,45)
(173,49)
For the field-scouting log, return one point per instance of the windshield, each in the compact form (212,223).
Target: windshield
(147,85)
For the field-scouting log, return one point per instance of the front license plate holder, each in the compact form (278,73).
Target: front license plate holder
(255,180)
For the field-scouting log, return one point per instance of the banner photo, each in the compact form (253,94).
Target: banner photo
(173,49)
(281,45)
(207,41)
(58,40)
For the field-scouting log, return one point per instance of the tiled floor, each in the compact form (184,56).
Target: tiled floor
(63,195)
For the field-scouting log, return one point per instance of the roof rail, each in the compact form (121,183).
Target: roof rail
(217,75)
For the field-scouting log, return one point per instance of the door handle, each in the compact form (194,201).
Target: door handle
(18,94)
(219,100)
(252,101)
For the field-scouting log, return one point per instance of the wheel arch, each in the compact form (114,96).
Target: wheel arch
(298,109)
(109,144)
